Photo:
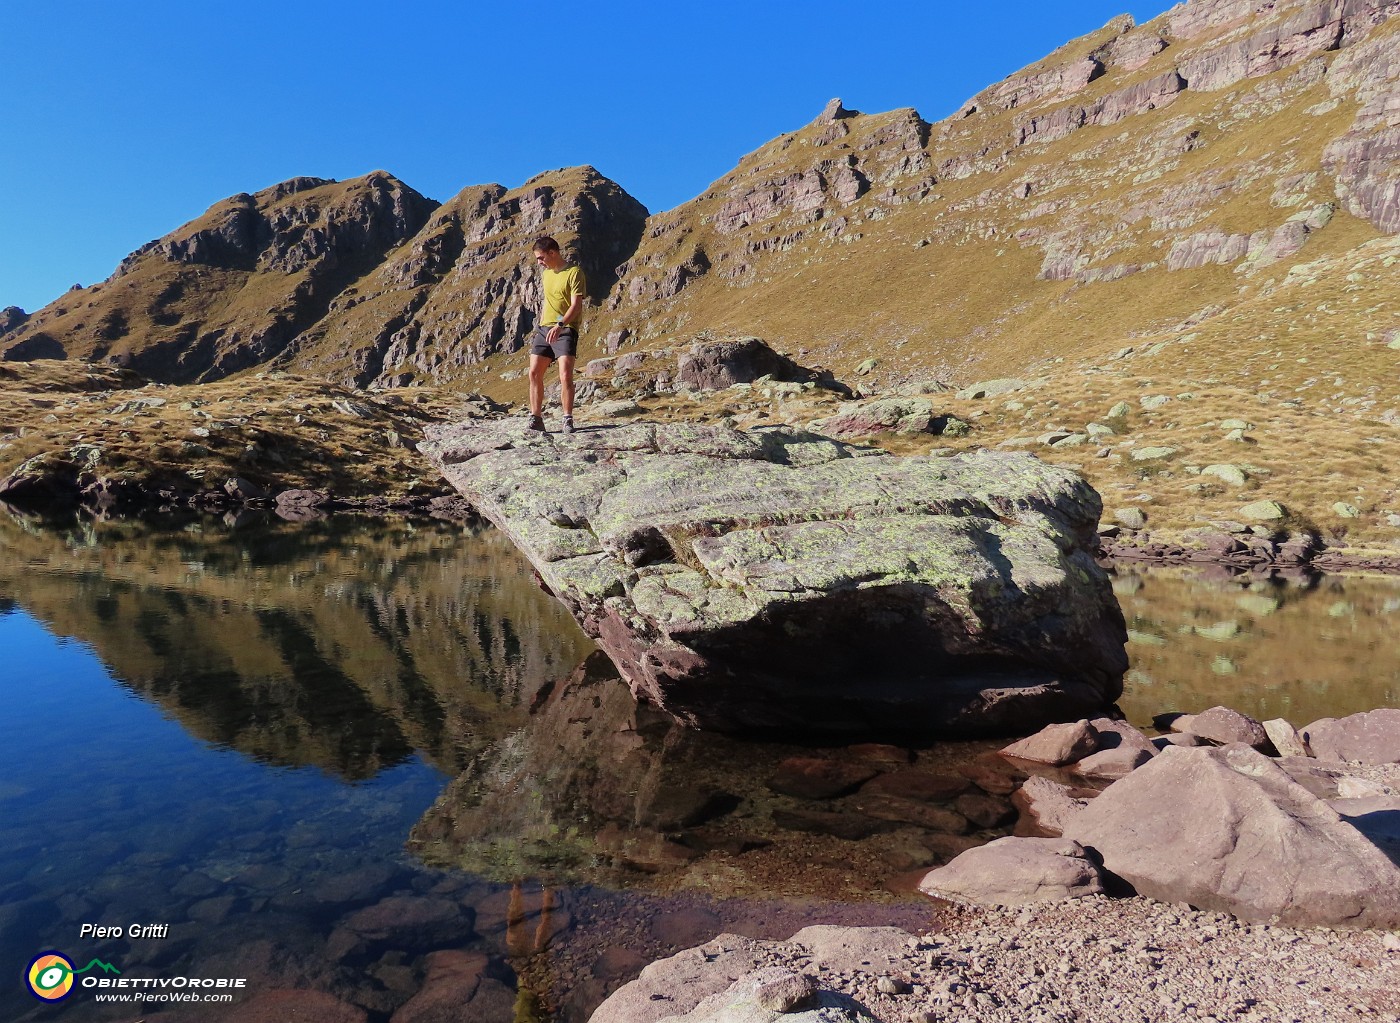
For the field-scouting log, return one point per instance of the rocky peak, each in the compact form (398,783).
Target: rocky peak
(177,309)
(834,111)
(979,242)
(294,185)
(226,236)
(289,225)
(465,286)
(11,317)
(790,192)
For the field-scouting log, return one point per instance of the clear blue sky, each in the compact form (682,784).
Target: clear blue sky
(123,120)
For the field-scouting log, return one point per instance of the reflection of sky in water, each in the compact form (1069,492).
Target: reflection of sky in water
(1299,650)
(242,736)
(77,745)
(106,804)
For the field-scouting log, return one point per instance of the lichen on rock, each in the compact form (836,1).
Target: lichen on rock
(769,580)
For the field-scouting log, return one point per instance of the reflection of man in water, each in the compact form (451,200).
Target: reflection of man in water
(556,336)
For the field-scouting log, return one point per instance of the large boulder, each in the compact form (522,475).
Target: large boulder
(1016,872)
(772,580)
(1227,829)
(46,479)
(733,979)
(714,365)
(1372,737)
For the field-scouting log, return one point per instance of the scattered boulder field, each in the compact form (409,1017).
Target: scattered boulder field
(109,439)
(1252,818)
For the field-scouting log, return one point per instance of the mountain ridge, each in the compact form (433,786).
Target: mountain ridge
(980,243)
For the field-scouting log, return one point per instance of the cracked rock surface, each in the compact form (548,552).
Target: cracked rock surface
(775,579)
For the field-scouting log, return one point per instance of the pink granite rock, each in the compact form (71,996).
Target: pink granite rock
(1226,829)
(1113,764)
(1046,806)
(1372,737)
(1223,725)
(1016,872)
(1056,744)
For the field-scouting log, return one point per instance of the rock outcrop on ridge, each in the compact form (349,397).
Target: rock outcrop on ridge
(1019,222)
(779,580)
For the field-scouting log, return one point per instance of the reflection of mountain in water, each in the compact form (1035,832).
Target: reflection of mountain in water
(341,644)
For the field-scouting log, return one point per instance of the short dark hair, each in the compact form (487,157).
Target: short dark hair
(544,243)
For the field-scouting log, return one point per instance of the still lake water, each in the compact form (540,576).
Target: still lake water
(276,745)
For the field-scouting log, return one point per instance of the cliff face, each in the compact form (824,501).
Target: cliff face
(1136,179)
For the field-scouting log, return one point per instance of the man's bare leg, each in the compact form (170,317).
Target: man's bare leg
(566,384)
(538,365)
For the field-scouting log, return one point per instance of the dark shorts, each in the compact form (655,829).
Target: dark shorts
(565,342)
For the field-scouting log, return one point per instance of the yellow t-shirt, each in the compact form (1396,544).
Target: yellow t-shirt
(560,287)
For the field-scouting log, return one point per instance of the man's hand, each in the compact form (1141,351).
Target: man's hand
(570,314)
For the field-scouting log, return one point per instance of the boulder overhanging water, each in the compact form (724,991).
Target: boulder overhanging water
(778,580)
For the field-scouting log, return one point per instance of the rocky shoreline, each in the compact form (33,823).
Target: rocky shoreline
(107,440)
(1044,929)
(355,430)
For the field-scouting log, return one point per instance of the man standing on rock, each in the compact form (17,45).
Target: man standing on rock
(556,336)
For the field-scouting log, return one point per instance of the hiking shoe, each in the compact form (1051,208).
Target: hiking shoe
(568,426)
(536,424)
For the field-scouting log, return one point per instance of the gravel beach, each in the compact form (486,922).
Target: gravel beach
(1091,960)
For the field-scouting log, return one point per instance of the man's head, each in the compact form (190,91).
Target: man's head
(547,253)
